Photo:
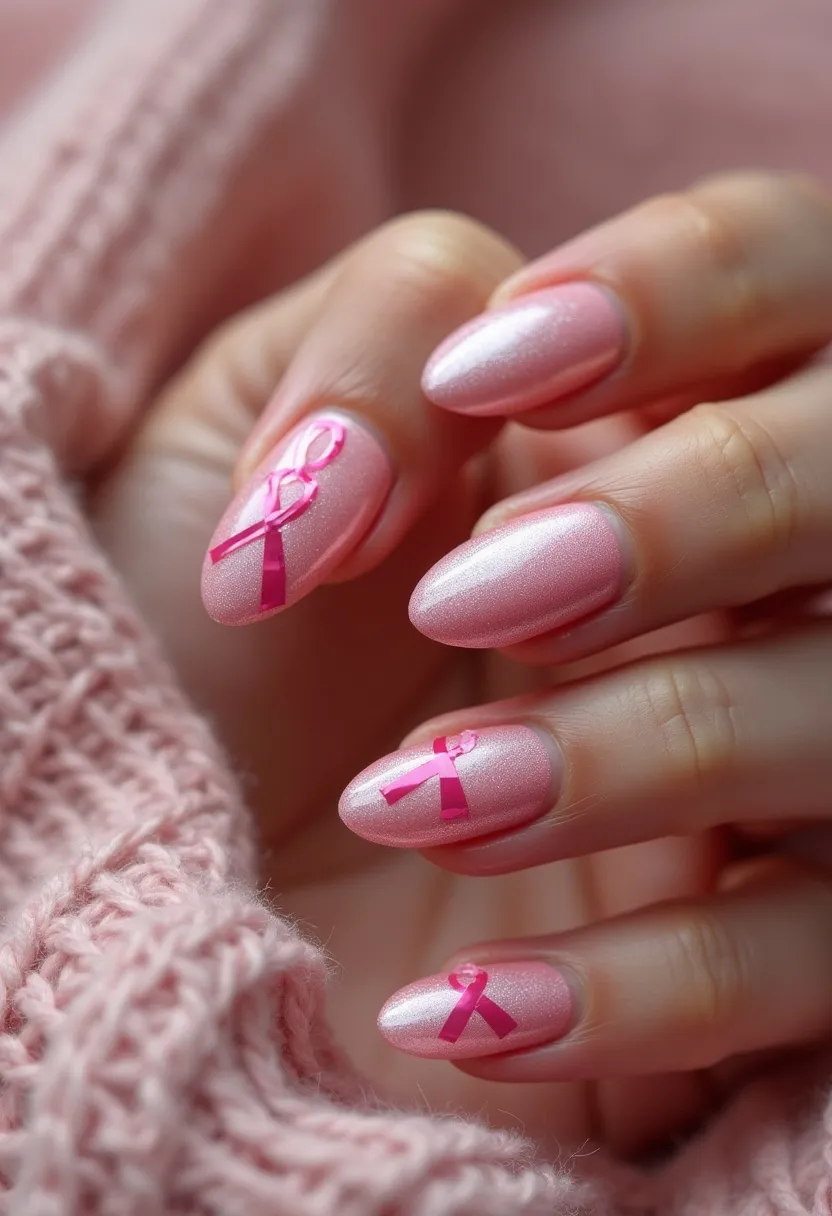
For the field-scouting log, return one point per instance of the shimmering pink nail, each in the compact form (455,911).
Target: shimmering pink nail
(480,1011)
(538,573)
(538,349)
(308,505)
(508,776)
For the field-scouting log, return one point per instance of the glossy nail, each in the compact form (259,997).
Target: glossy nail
(456,788)
(538,573)
(307,506)
(538,349)
(477,1011)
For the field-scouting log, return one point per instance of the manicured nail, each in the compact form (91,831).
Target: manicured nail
(473,1011)
(307,506)
(456,788)
(538,349)
(538,573)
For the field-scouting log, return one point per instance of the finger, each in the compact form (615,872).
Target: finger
(683,291)
(349,453)
(721,507)
(671,746)
(208,408)
(676,987)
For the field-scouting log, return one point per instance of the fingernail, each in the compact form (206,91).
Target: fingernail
(541,572)
(456,788)
(307,506)
(538,349)
(473,1011)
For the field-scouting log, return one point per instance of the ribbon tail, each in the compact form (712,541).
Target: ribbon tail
(453,800)
(407,782)
(459,1016)
(451,794)
(273,585)
(501,1023)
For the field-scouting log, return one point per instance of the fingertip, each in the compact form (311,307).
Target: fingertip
(535,350)
(539,573)
(476,1011)
(305,509)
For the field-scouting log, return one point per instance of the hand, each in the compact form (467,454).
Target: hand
(726,508)
(284,695)
(303,700)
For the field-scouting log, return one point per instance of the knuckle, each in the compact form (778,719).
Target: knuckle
(741,458)
(446,253)
(721,244)
(693,717)
(757,188)
(728,226)
(800,192)
(807,189)
(711,966)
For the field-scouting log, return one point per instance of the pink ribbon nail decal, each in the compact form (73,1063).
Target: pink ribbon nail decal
(474,1000)
(297,471)
(452,798)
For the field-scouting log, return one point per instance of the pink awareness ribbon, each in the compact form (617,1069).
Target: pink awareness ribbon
(297,471)
(451,794)
(474,1000)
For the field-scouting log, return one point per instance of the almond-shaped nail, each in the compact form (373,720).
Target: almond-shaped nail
(536,350)
(476,1011)
(538,573)
(456,788)
(306,507)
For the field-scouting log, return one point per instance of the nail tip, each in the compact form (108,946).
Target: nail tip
(432,381)
(422,612)
(383,1019)
(404,1036)
(533,350)
(534,1004)
(533,575)
(358,814)
(506,777)
(351,812)
(223,612)
(424,619)
(441,387)
(416,615)
(214,606)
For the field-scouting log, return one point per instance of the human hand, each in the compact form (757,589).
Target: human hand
(726,509)
(303,700)
(356,337)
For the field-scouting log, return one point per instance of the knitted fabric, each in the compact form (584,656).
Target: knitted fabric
(164,1046)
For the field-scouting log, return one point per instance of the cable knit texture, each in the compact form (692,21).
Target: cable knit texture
(164,1047)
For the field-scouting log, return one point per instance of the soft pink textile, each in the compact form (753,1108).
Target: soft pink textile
(164,1047)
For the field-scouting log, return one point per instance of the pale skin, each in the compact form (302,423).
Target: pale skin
(714,732)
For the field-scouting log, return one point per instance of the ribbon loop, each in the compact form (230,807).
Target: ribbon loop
(299,454)
(473,1000)
(453,803)
(297,471)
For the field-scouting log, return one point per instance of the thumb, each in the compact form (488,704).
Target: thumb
(154,509)
(206,412)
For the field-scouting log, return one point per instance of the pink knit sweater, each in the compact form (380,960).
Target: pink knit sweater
(164,1046)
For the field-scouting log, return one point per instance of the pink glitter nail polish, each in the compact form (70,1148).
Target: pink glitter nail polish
(538,349)
(307,506)
(477,1011)
(538,573)
(510,776)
